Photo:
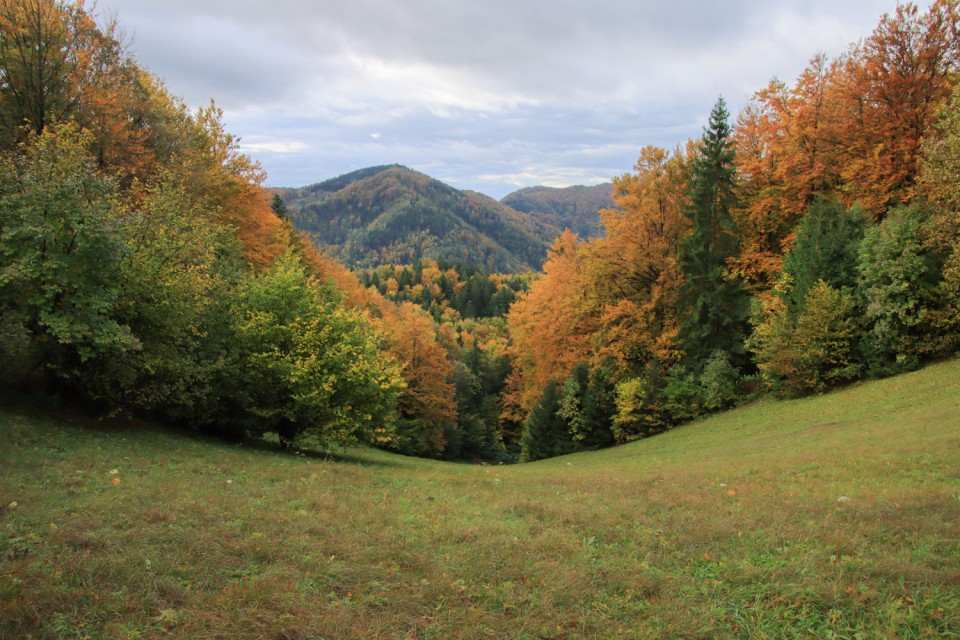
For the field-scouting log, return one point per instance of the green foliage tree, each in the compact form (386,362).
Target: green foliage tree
(307,367)
(825,339)
(718,382)
(712,305)
(177,274)
(478,379)
(801,348)
(682,397)
(900,286)
(587,405)
(60,246)
(639,402)
(278,207)
(814,350)
(940,166)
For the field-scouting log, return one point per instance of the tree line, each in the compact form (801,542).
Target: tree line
(812,242)
(145,269)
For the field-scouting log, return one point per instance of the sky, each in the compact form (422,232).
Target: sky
(489,95)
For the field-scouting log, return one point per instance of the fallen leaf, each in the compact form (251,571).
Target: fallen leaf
(115,481)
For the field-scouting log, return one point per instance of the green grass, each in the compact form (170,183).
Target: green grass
(836,516)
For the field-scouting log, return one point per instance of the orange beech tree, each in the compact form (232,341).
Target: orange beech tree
(550,328)
(890,90)
(850,129)
(632,271)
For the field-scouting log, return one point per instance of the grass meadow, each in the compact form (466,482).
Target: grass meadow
(829,517)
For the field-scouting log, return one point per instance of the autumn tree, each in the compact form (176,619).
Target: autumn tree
(632,272)
(550,328)
(891,88)
(60,245)
(38,63)
(785,159)
(427,405)
(712,305)
(643,233)
(305,367)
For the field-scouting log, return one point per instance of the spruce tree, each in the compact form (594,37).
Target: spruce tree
(712,306)
(827,248)
(278,207)
(545,433)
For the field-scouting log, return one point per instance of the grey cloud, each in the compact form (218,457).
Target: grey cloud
(486,94)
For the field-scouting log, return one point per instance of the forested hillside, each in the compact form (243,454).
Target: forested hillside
(809,241)
(393,215)
(812,240)
(575,208)
(146,271)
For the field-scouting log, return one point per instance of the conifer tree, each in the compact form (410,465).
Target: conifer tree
(278,207)
(712,306)
(826,248)
(545,433)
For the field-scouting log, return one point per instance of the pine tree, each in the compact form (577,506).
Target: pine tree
(278,207)
(545,433)
(712,306)
(826,248)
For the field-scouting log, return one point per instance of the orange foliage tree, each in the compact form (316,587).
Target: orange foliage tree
(550,328)
(850,128)
(632,272)
(428,404)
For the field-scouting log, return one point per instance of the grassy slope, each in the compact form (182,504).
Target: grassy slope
(834,515)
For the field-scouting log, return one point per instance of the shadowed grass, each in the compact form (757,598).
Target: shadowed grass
(826,517)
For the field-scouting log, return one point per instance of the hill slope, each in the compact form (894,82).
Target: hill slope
(575,208)
(832,516)
(394,215)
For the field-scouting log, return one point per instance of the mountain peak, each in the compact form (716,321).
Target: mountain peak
(393,214)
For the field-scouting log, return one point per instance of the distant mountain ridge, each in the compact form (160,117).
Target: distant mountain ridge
(391,214)
(575,208)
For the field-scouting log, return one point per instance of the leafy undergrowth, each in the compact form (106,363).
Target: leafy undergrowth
(836,516)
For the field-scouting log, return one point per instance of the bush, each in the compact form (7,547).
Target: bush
(719,382)
(813,351)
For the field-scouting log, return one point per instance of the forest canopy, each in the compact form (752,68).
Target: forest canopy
(808,241)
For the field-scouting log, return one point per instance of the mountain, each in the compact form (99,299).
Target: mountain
(574,208)
(392,214)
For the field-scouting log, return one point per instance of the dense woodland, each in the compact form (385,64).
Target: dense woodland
(809,241)
(573,208)
(394,215)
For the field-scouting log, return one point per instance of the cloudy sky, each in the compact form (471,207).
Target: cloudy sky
(488,95)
